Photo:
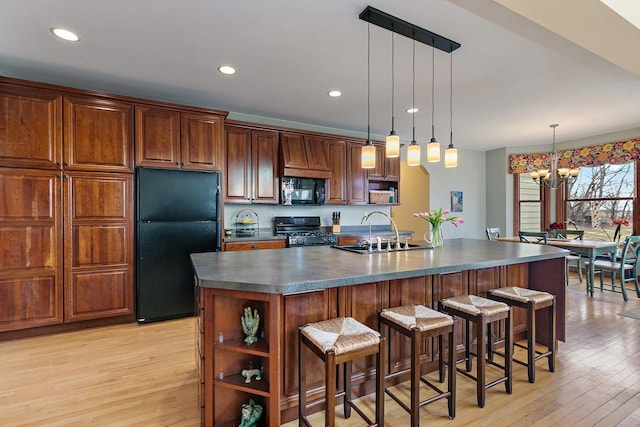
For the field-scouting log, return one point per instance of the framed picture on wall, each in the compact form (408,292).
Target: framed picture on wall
(456,201)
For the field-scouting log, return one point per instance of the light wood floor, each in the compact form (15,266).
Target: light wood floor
(144,375)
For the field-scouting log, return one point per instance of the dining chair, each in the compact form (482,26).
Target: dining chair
(572,258)
(493,232)
(627,267)
(539,237)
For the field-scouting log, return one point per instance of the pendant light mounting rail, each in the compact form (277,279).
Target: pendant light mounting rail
(407,29)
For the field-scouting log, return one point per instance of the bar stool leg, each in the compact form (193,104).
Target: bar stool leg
(481,332)
(302,384)
(467,346)
(508,351)
(381,363)
(415,377)
(347,389)
(452,373)
(552,336)
(531,343)
(330,390)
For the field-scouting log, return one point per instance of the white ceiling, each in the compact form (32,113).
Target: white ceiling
(511,78)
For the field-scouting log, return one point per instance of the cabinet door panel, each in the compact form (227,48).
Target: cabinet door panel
(98,294)
(201,141)
(238,162)
(98,246)
(30,128)
(264,156)
(30,248)
(337,194)
(294,154)
(157,137)
(356,176)
(316,153)
(98,135)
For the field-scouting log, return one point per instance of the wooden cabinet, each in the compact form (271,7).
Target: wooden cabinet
(386,169)
(255,244)
(174,139)
(98,245)
(251,165)
(62,265)
(31,251)
(337,188)
(30,128)
(224,355)
(98,135)
(357,188)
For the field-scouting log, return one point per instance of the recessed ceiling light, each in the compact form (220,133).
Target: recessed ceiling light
(412,110)
(65,34)
(227,69)
(334,93)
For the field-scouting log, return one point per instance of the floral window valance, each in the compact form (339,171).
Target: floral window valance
(594,155)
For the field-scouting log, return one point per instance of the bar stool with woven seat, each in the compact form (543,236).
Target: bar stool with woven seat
(418,322)
(339,341)
(483,312)
(532,301)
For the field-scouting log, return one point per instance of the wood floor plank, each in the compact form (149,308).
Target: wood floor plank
(145,375)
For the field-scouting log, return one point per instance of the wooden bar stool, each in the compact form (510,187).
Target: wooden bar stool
(482,312)
(531,301)
(418,322)
(338,342)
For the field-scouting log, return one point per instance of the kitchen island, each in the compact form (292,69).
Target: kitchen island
(291,287)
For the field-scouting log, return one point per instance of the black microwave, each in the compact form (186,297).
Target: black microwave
(302,191)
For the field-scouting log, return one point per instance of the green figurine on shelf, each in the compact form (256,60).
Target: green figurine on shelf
(251,413)
(250,322)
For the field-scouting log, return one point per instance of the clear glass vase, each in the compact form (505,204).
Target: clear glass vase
(435,238)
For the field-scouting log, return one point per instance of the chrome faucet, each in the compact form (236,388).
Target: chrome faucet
(367,218)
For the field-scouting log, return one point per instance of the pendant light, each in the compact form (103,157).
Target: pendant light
(413,150)
(451,153)
(392,148)
(433,147)
(368,155)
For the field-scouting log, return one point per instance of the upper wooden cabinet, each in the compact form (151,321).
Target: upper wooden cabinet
(386,169)
(337,188)
(251,174)
(30,128)
(357,188)
(304,156)
(98,134)
(168,138)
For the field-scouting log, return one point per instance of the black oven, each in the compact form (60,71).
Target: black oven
(302,191)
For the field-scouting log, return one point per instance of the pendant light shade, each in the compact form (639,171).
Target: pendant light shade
(368,159)
(368,156)
(413,154)
(392,146)
(433,151)
(451,157)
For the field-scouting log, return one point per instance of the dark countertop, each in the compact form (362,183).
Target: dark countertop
(303,269)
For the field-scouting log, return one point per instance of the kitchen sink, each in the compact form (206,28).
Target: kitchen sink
(363,249)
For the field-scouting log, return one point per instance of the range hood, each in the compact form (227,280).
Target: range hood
(303,156)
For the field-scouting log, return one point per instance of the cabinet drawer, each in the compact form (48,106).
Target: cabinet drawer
(253,245)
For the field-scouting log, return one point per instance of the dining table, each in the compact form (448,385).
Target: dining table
(588,249)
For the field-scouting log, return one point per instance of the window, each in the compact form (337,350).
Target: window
(600,197)
(529,210)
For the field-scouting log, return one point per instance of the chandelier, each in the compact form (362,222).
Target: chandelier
(556,176)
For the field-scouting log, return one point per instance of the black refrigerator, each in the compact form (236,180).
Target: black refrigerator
(177,215)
